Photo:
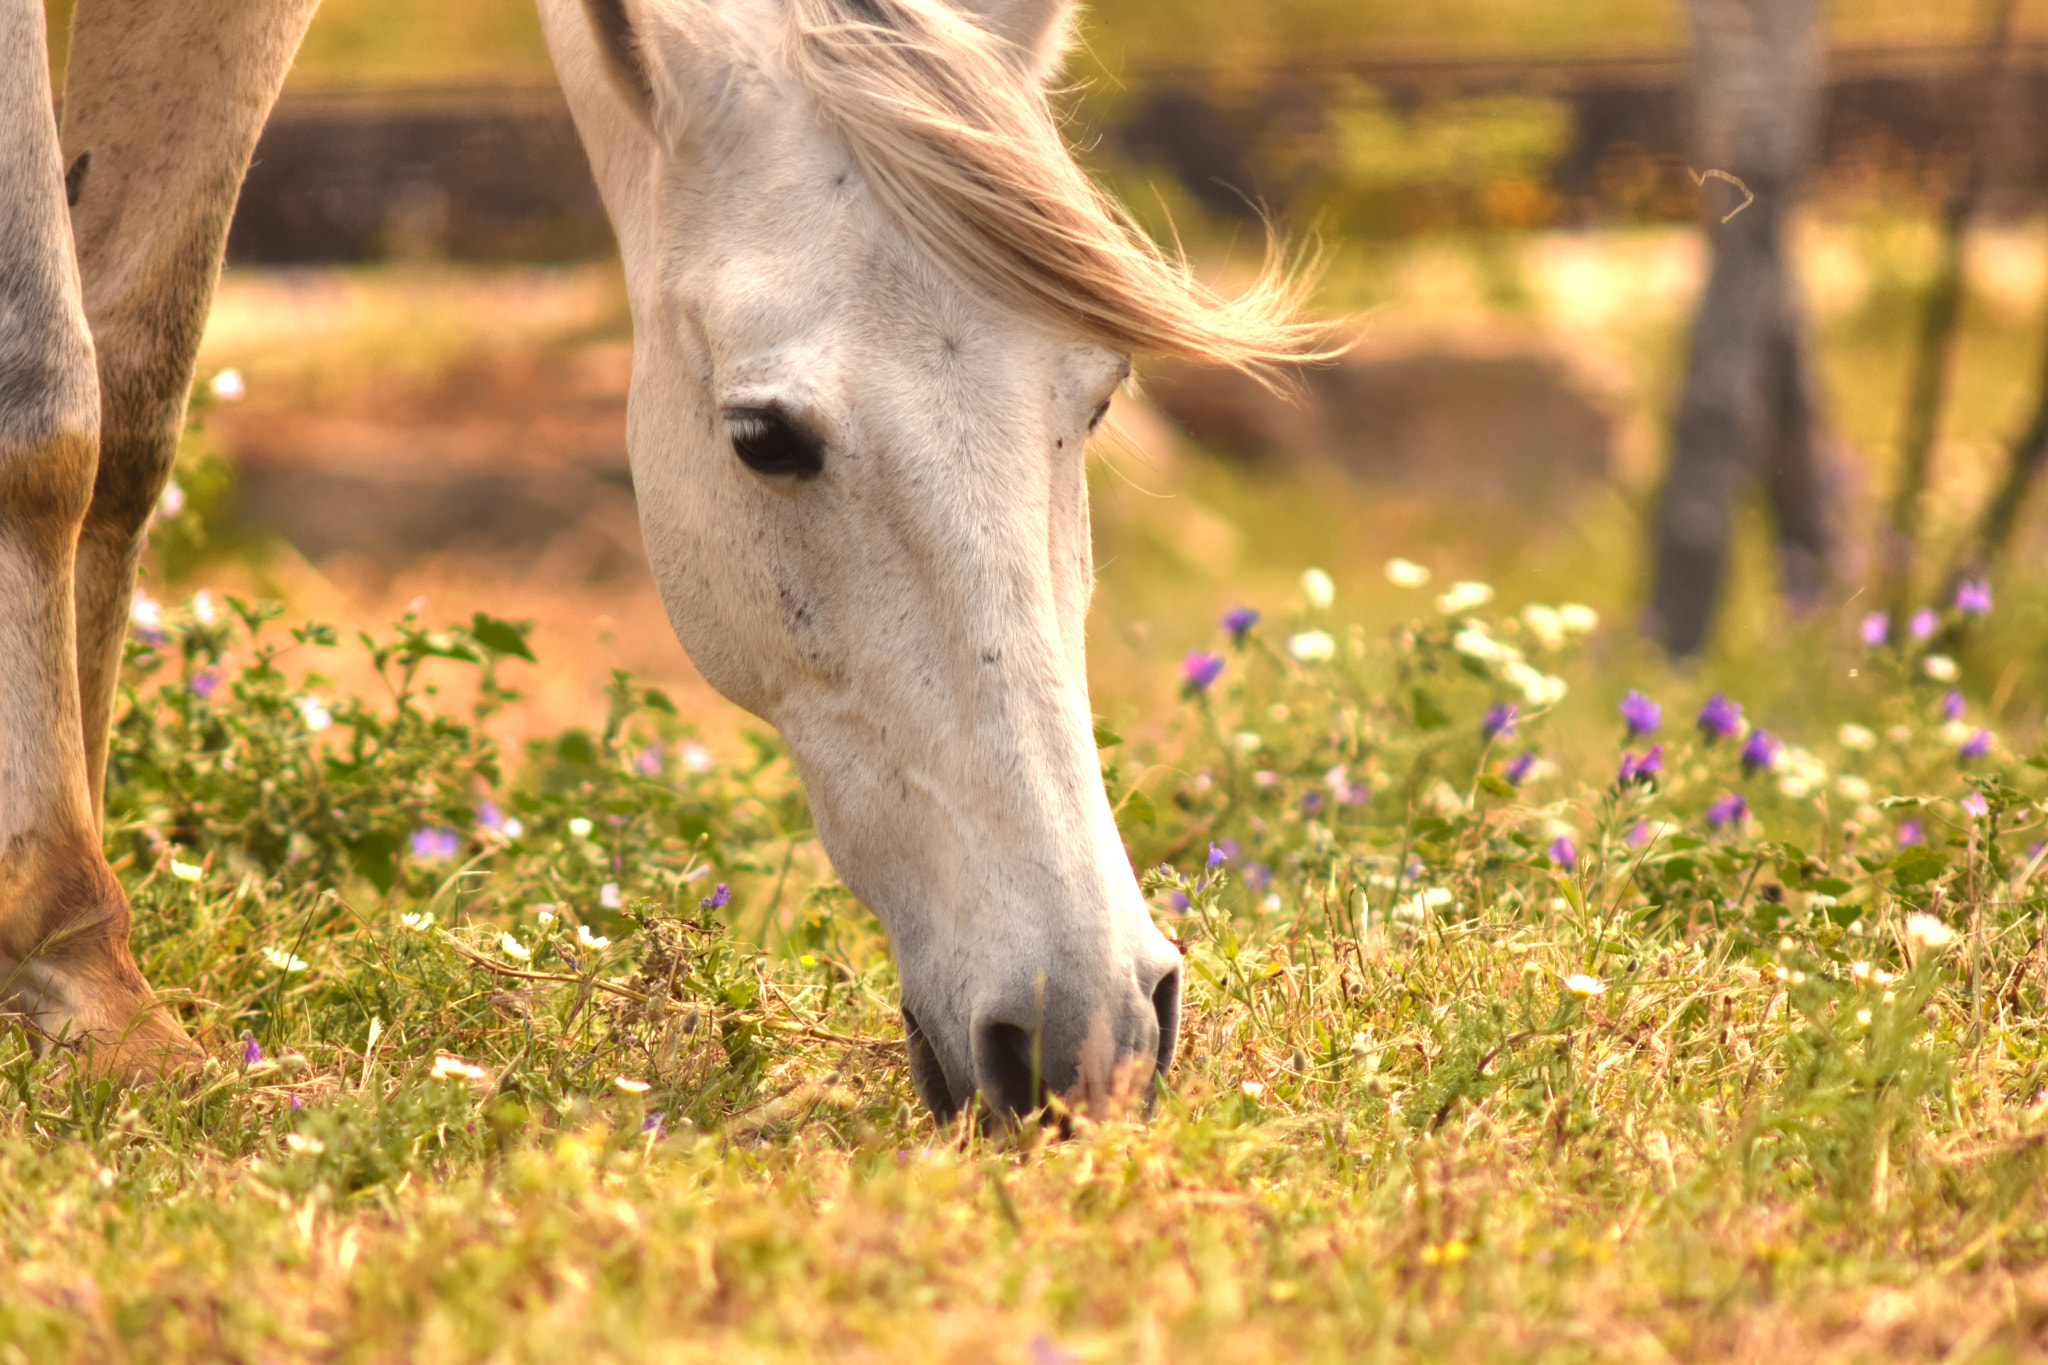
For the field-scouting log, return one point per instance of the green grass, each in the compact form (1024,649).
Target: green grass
(1785,1118)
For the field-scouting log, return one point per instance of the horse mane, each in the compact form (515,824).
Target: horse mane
(962,150)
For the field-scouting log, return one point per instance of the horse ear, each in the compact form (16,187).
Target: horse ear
(1038,31)
(625,57)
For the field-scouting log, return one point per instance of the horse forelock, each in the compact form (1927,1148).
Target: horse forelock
(962,150)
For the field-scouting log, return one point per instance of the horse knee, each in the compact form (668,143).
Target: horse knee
(45,489)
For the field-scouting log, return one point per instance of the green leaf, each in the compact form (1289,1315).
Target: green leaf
(1918,864)
(654,699)
(1428,715)
(375,857)
(502,637)
(1496,786)
(1833,886)
(1137,809)
(1106,738)
(575,747)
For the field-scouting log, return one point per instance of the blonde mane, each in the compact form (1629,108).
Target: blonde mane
(962,150)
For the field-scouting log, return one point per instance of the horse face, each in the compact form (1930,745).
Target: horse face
(862,488)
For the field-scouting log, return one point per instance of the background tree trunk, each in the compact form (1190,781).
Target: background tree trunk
(1750,405)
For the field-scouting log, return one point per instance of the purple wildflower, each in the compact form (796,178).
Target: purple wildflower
(1642,714)
(1911,832)
(1177,901)
(435,845)
(1311,802)
(1198,670)
(1973,597)
(719,898)
(489,816)
(252,1051)
(1216,856)
(648,761)
(1517,769)
(1875,629)
(204,682)
(1642,770)
(1258,876)
(296,1104)
(1239,620)
(1760,753)
(1501,719)
(1729,810)
(653,1124)
(1564,852)
(1952,704)
(1720,718)
(1638,834)
(1923,624)
(1045,1351)
(1976,805)
(1976,746)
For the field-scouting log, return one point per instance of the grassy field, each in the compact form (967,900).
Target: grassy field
(1489,1054)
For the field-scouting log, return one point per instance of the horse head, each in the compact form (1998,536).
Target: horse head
(877,312)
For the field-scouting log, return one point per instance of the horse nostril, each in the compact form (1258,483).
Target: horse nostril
(1008,1070)
(1166,1005)
(927,1077)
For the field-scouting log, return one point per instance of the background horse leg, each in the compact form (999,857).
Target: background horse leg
(64,960)
(165,98)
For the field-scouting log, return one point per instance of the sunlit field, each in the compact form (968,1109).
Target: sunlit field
(1544,1002)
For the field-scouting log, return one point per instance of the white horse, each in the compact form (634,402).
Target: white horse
(877,311)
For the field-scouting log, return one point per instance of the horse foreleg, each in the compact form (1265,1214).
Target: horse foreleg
(64,961)
(163,104)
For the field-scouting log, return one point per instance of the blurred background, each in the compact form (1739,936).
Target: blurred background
(1573,378)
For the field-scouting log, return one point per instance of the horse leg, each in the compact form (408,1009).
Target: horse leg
(163,104)
(64,961)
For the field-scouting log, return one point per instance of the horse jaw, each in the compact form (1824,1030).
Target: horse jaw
(912,617)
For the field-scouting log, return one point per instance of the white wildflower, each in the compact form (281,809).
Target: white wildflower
(419,921)
(1406,573)
(1312,646)
(1579,983)
(1545,623)
(1925,931)
(1476,644)
(1578,618)
(1853,787)
(545,915)
(1956,731)
(1899,734)
(203,610)
(590,940)
(171,501)
(581,827)
(1863,1016)
(446,1066)
(228,387)
(608,896)
(304,1144)
(1318,588)
(186,872)
(1252,1089)
(631,1086)
(513,948)
(1247,741)
(284,961)
(1856,737)
(695,757)
(314,712)
(1466,595)
(145,612)
(1940,667)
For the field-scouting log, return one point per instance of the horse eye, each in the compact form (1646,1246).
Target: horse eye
(767,442)
(1100,413)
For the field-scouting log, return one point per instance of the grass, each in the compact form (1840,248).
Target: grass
(1449,1087)
(1399,1125)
